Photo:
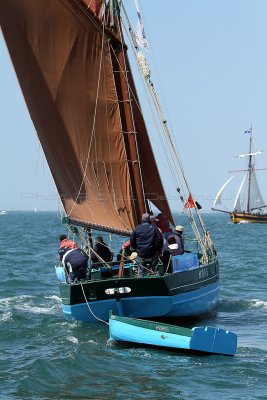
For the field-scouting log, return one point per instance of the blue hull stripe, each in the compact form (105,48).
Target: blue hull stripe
(185,304)
(207,339)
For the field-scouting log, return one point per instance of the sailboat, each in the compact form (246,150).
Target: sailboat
(249,205)
(72,63)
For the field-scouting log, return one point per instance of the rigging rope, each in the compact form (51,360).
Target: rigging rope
(173,152)
(125,73)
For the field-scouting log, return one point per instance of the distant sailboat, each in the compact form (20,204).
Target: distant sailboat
(248,205)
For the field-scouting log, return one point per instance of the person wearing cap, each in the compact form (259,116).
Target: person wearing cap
(178,235)
(154,220)
(147,240)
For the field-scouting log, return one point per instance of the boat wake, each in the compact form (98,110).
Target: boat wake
(28,304)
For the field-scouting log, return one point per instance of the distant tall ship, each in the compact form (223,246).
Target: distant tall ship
(249,205)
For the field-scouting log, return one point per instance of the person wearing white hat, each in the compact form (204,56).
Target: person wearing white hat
(178,234)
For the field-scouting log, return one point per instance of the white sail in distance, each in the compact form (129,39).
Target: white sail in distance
(237,203)
(218,198)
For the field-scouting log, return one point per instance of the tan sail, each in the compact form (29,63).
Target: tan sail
(77,83)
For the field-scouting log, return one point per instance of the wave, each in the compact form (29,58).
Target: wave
(241,304)
(28,304)
(54,297)
(7,316)
(35,309)
(8,301)
(256,303)
(72,339)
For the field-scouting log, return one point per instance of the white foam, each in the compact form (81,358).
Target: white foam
(34,309)
(6,316)
(54,297)
(258,303)
(91,341)
(7,301)
(72,339)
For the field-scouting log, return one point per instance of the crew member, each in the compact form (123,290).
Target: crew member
(147,240)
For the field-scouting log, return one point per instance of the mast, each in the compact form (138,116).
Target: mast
(250,167)
(237,204)
(205,242)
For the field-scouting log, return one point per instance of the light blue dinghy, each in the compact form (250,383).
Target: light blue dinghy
(206,339)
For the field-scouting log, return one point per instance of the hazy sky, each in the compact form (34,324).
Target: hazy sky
(212,61)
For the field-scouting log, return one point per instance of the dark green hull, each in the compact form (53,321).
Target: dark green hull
(180,294)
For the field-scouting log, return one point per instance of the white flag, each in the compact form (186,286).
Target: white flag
(140,31)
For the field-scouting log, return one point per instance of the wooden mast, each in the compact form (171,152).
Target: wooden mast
(250,166)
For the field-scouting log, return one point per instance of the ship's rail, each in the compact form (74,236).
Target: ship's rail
(110,270)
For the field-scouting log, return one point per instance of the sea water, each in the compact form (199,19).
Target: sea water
(43,356)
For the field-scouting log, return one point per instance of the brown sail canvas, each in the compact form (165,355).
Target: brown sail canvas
(76,81)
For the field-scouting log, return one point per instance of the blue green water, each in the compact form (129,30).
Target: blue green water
(43,356)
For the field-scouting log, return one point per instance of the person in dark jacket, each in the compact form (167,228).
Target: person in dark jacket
(75,261)
(102,250)
(147,240)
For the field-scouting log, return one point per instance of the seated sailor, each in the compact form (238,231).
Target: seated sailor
(172,249)
(101,249)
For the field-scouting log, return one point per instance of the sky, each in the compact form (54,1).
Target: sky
(211,57)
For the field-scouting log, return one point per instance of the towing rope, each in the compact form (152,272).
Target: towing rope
(88,305)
